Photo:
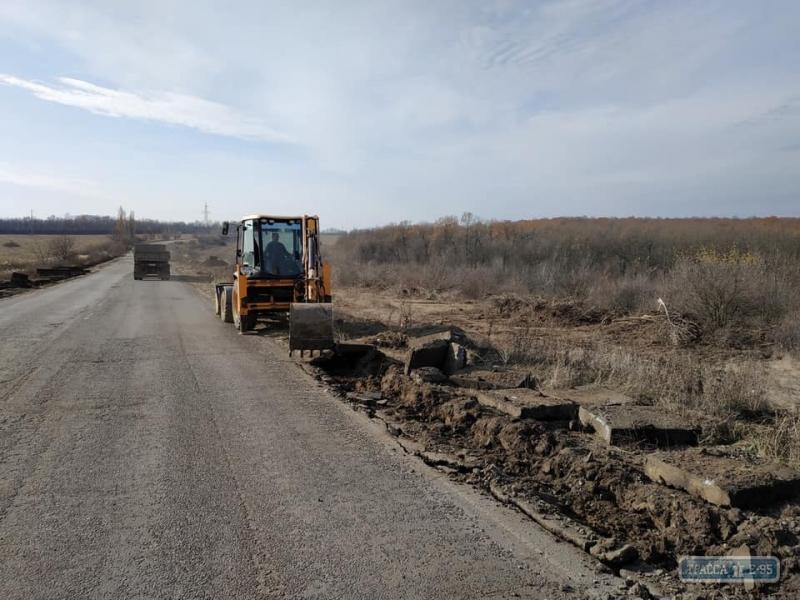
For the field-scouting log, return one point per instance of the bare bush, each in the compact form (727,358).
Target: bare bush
(787,332)
(11,244)
(722,275)
(61,247)
(622,295)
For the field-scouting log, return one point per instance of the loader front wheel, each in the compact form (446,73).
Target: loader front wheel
(246,322)
(241,322)
(226,305)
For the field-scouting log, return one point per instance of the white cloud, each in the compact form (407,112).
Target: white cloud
(164,107)
(48,180)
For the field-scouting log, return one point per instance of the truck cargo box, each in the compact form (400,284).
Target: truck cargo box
(150,259)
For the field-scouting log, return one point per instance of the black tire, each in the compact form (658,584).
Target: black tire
(237,320)
(217,294)
(244,322)
(226,307)
(241,322)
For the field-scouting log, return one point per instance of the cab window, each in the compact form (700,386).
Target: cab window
(248,245)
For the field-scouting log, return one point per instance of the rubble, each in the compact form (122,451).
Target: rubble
(525,403)
(455,358)
(429,354)
(724,480)
(482,378)
(515,441)
(591,396)
(428,375)
(625,424)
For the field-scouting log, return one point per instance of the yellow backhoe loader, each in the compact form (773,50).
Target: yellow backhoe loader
(279,269)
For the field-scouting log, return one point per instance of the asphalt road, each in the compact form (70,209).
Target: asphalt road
(148,451)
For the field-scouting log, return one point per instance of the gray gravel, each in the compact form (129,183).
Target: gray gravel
(148,451)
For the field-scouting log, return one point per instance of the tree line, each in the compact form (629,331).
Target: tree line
(98,225)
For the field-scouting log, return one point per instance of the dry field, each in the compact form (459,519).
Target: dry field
(26,252)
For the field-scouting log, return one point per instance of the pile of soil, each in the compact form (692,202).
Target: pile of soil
(213,261)
(566,312)
(601,487)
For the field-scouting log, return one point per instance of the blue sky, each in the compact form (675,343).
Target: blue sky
(371,112)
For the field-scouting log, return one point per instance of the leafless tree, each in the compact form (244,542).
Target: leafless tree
(61,247)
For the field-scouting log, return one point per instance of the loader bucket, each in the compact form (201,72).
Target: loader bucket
(310,326)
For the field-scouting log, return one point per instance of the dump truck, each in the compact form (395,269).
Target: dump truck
(152,260)
(279,269)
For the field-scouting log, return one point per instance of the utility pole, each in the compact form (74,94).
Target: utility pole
(205,213)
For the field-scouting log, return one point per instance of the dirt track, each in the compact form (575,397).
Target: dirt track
(148,450)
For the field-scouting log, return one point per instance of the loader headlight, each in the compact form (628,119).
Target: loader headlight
(312,273)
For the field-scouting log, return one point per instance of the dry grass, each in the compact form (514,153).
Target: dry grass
(26,252)
(787,332)
(730,403)
(780,439)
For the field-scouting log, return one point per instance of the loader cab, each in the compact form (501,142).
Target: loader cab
(271,248)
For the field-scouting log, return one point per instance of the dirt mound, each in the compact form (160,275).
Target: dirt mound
(213,261)
(390,339)
(486,429)
(509,304)
(459,414)
(419,399)
(565,311)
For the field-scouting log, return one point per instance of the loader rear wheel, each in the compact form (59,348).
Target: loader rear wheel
(226,308)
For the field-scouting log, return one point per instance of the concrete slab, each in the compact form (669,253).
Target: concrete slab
(722,479)
(480,378)
(525,403)
(455,359)
(447,335)
(591,396)
(627,423)
(430,354)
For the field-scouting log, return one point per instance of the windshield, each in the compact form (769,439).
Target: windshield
(282,248)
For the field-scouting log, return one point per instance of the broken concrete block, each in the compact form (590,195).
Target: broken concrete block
(621,556)
(369,399)
(431,354)
(478,378)
(436,459)
(20,280)
(423,340)
(722,479)
(591,396)
(455,358)
(624,424)
(525,403)
(428,375)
